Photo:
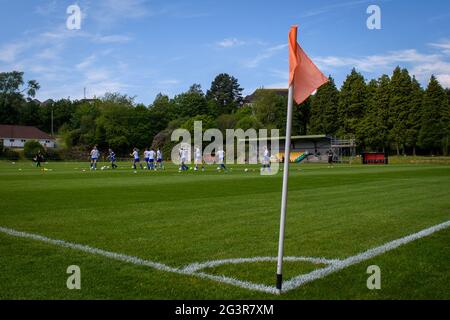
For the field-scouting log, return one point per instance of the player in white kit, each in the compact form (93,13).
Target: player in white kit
(221,160)
(198,158)
(95,155)
(266,160)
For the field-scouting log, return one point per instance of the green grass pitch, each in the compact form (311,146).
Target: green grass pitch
(182,218)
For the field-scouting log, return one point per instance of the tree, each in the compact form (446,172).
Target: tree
(196,88)
(11,95)
(226,93)
(401,90)
(414,116)
(208,122)
(445,118)
(226,121)
(31,148)
(191,104)
(324,110)
(249,122)
(268,109)
(300,118)
(434,103)
(163,109)
(375,123)
(352,104)
(118,98)
(63,111)
(29,113)
(12,83)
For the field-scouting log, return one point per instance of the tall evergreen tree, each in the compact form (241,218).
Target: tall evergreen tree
(324,110)
(435,102)
(352,104)
(445,118)
(301,117)
(375,123)
(414,116)
(401,90)
(226,93)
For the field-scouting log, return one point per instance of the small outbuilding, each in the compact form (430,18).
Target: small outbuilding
(16,136)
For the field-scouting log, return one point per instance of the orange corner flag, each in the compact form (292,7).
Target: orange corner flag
(303,73)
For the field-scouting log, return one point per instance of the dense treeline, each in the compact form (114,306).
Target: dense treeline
(392,113)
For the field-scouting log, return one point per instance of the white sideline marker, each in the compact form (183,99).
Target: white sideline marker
(334,265)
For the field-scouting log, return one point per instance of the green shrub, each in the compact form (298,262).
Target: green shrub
(31,148)
(53,155)
(10,154)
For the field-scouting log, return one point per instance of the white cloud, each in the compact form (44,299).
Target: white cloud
(112,39)
(230,42)
(109,12)
(47,8)
(167,82)
(421,65)
(10,52)
(264,55)
(333,7)
(444,46)
(86,63)
(444,79)
(376,62)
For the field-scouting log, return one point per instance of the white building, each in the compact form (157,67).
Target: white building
(17,136)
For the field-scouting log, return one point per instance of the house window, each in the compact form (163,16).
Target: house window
(24,141)
(47,141)
(11,140)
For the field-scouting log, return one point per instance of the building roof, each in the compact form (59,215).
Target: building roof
(22,132)
(280,92)
(293,138)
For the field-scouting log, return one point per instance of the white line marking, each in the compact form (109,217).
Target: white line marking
(80,247)
(192,269)
(136,260)
(369,254)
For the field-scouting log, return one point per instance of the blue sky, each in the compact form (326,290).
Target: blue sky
(143,47)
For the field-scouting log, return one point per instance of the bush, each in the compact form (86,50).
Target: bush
(10,154)
(31,148)
(53,155)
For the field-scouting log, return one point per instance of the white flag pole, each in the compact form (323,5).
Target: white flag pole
(287,153)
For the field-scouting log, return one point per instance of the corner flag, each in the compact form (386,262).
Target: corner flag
(304,79)
(303,73)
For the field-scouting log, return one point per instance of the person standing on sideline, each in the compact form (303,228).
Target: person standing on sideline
(38,159)
(330,158)
(112,159)
(95,155)
(136,159)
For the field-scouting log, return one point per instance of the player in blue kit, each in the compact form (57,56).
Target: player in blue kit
(112,158)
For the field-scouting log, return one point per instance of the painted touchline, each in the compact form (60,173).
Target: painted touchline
(334,265)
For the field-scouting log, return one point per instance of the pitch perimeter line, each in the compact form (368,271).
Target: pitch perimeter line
(137,261)
(369,254)
(335,265)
